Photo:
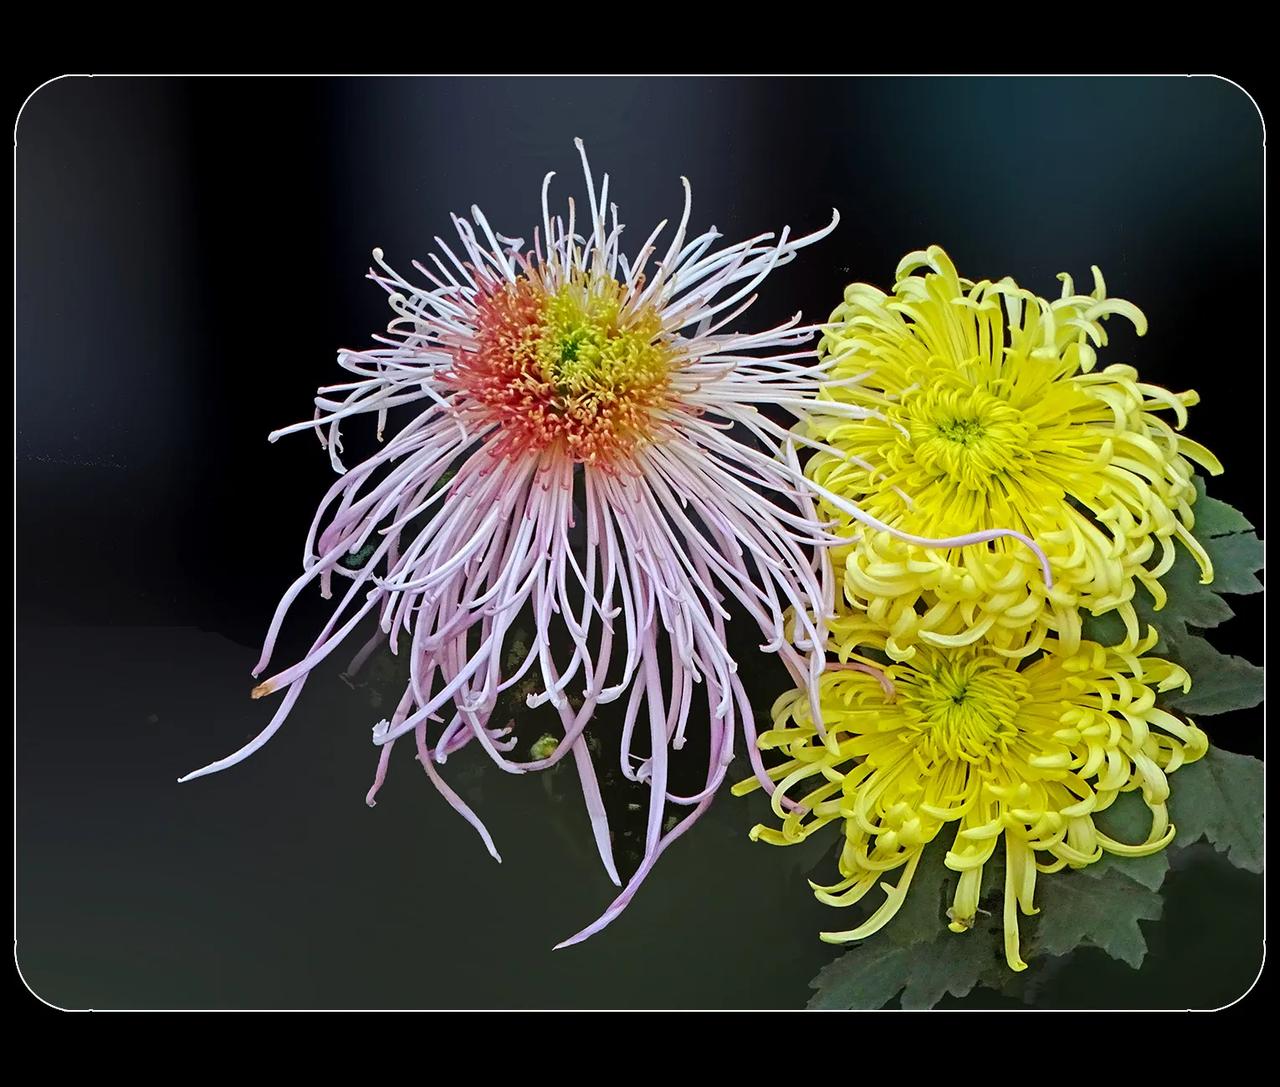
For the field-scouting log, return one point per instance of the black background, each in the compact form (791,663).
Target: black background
(190,254)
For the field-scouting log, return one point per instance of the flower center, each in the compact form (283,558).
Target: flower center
(574,368)
(965,709)
(966,436)
(584,347)
(963,431)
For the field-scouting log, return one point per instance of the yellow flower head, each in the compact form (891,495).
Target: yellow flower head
(986,412)
(991,745)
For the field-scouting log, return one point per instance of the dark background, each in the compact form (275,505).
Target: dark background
(191,253)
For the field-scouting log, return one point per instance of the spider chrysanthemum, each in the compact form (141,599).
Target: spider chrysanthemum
(984,748)
(986,409)
(590,458)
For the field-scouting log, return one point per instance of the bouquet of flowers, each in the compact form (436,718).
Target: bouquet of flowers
(979,728)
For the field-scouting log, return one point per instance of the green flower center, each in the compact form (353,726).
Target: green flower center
(966,709)
(966,436)
(586,349)
(962,431)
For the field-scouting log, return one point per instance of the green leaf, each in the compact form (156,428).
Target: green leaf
(1236,552)
(1219,682)
(1214,517)
(1101,912)
(1237,555)
(916,954)
(923,914)
(955,964)
(1128,820)
(1236,561)
(1105,629)
(1190,603)
(865,978)
(871,975)
(1100,906)
(1220,798)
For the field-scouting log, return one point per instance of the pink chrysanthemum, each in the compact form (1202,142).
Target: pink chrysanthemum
(559,378)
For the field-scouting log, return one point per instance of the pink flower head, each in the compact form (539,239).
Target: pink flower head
(563,378)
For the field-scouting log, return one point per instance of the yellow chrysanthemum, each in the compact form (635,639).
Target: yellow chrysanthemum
(987,413)
(992,746)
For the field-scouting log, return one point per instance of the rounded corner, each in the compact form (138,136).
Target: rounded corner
(17,966)
(1262,121)
(17,120)
(1262,965)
